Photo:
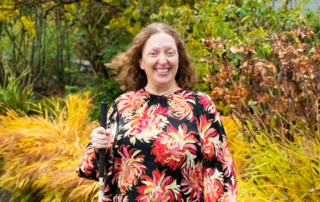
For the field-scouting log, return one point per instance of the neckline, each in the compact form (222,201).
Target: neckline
(166,95)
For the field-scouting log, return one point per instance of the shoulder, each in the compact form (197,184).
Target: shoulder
(202,100)
(131,95)
(196,94)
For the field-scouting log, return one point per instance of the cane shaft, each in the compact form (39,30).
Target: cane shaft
(102,152)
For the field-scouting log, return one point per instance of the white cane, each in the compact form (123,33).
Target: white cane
(102,152)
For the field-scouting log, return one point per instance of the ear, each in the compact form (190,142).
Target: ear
(140,63)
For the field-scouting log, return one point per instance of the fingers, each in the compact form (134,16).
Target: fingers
(100,138)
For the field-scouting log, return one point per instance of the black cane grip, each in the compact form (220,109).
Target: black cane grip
(103,123)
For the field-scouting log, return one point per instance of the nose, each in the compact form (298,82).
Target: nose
(162,59)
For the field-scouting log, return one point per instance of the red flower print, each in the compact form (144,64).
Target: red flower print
(207,103)
(213,183)
(193,180)
(174,147)
(86,165)
(181,107)
(227,161)
(121,198)
(128,168)
(209,137)
(160,188)
(106,198)
(129,102)
(146,123)
(231,194)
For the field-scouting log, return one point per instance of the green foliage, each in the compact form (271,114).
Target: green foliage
(247,21)
(13,94)
(99,89)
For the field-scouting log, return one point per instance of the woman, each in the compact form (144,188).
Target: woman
(171,145)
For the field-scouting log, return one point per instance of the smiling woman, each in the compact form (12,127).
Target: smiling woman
(171,145)
(160,60)
(134,77)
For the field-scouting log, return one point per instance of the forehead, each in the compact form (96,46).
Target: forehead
(160,41)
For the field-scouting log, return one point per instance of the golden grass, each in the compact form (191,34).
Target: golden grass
(276,171)
(41,155)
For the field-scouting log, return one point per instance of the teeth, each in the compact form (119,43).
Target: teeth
(162,70)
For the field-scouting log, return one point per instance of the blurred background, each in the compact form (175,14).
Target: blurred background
(257,59)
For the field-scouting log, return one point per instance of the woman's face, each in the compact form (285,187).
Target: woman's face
(160,60)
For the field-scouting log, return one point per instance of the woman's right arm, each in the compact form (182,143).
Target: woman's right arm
(100,138)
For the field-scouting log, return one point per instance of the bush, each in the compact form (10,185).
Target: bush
(276,105)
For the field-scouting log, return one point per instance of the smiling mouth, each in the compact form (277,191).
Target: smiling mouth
(162,70)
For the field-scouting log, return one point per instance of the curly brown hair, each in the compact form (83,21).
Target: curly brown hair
(134,78)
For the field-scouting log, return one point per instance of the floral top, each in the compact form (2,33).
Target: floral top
(168,148)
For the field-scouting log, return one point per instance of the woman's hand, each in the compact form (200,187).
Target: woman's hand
(100,138)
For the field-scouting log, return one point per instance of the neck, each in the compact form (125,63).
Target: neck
(163,90)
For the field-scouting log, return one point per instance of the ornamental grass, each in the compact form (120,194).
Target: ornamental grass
(40,155)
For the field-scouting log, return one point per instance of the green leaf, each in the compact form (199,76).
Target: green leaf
(271,123)
(249,126)
(245,18)
(136,27)
(128,10)
(226,109)
(136,14)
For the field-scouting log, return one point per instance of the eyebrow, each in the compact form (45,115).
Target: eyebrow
(166,48)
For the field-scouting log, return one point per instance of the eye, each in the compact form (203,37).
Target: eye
(170,52)
(153,53)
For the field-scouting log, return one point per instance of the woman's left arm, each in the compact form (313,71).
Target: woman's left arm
(218,169)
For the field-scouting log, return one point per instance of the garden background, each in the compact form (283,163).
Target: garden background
(260,65)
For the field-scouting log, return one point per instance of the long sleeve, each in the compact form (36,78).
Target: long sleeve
(89,164)
(218,169)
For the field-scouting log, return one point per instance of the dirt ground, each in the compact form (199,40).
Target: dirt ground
(5,196)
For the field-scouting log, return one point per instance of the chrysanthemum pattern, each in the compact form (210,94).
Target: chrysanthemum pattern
(175,147)
(128,167)
(169,148)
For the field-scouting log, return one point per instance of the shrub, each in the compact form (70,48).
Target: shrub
(276,103)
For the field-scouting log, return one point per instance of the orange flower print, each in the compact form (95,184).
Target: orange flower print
(210,138)
(128,168)
(193,180)
(207,103)
(158,189)
(106,198)
(175,148)
(231,194)
(129,102)
(147,123)
(213,183)
(181,107)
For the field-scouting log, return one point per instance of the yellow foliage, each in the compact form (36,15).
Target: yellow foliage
(7,10)
(274,171)
(42,155)
(28,24)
